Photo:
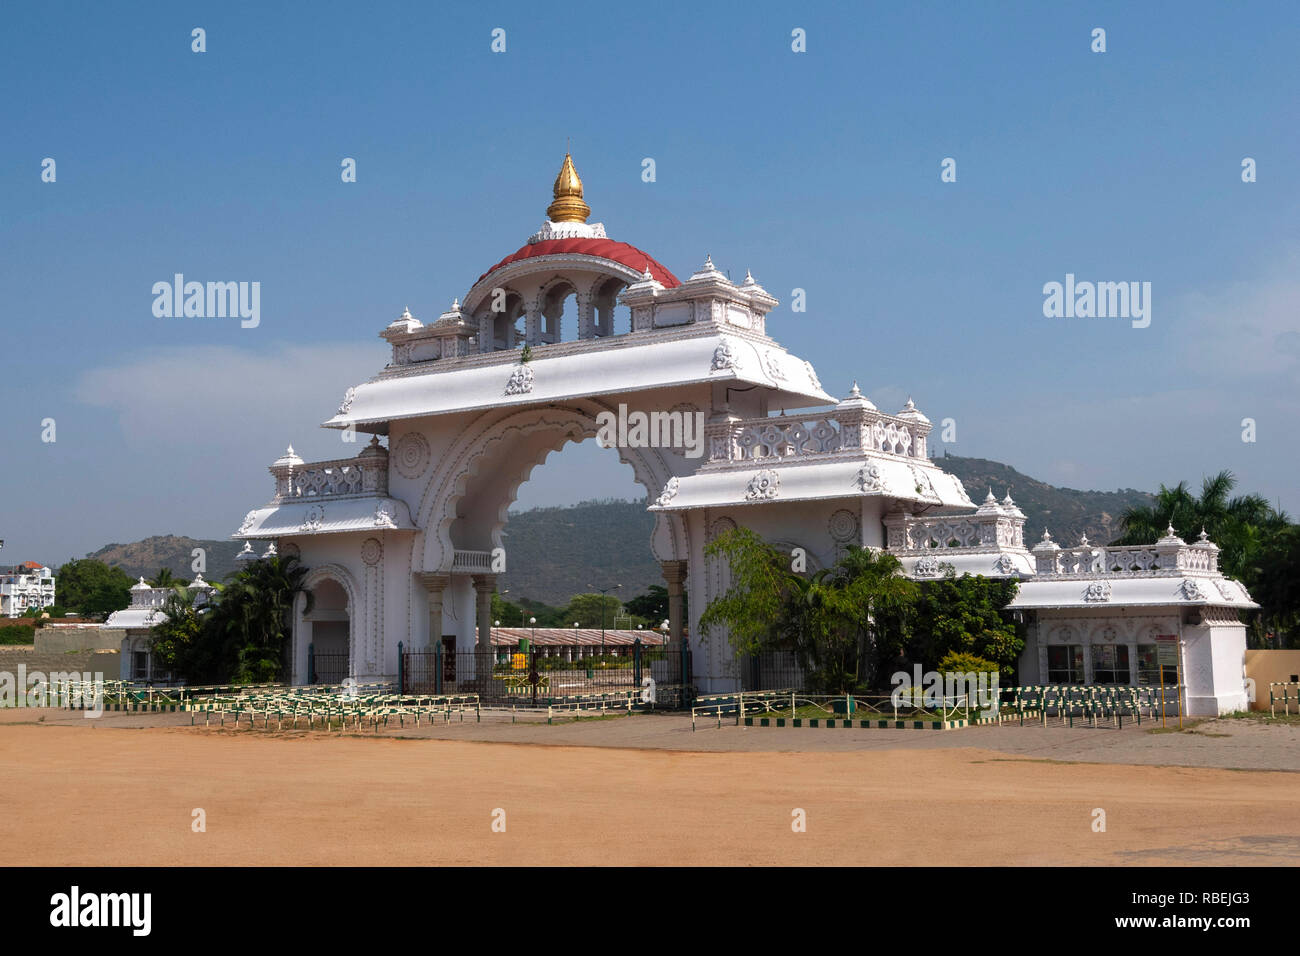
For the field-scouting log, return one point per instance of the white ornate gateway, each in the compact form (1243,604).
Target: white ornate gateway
(570,326)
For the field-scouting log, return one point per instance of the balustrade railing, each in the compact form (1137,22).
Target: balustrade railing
(472,561)
(838,432)
(1128,560)
(973,532)
(339,478)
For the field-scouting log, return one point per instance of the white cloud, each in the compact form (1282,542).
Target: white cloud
(887,398)
(1246,330)
(233,407)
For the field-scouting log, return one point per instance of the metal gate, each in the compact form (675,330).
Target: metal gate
(524,676)
(327,668)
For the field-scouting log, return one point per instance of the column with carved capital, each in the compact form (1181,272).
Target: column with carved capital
(533,327)
(435,585)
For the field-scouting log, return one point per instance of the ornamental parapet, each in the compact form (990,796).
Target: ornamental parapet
(364,475)
(1171,556)
(842,433)
(994,527)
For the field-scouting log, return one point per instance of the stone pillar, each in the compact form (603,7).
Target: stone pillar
(533,327)
(674,573)
(586,316)
(551,330)
(487,332)
(484,586)
(435,585)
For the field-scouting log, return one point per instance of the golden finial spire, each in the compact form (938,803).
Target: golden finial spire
(568,205)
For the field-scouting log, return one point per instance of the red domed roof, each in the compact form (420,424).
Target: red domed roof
(619,252)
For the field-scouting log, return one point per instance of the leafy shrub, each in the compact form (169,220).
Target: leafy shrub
(957,662)
(17,634)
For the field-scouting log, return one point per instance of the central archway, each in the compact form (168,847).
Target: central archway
(465,503)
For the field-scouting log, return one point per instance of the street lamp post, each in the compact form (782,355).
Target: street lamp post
(532,652)
(603,592)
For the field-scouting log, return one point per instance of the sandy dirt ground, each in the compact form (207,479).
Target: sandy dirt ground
(640,791)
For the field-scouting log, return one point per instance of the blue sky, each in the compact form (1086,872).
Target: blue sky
(817,170)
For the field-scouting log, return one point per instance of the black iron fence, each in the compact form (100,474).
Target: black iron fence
(541,674)
(771,670)
(326,668)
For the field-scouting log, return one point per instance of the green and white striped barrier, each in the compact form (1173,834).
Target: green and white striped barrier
(842,723)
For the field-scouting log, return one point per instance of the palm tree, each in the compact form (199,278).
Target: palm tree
(164,579)
(1239,526)
(178,642)
(859,589)
(255,613)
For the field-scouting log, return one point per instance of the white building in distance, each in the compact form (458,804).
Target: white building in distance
(29,585)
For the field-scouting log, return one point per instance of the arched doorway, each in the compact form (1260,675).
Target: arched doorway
(326,633)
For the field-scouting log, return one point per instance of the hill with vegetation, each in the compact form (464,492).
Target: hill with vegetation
(1065,512)
(555,553)
(173,552)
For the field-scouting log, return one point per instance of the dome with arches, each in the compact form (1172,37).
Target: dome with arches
(567,258)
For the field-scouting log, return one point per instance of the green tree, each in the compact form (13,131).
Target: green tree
(92,587)
(165,579)
(243,633)
(54,610)
(587,610)
(518,613)
(547,616)
(1256,543)
(652,607)
(957,662)
(257,605)
(507,612)
(965,615)
(1238,525)
(1276,587)
(178,637)
(838,620)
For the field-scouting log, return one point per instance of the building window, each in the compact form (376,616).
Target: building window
(140,664)
(1065,664)
(1149,669)
(1110,664)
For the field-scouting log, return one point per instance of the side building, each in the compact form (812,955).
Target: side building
(28,585)
(136,623)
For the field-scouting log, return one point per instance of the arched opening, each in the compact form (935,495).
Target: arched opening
(553,309)
(328,633)
(609,317)
(574,547)
(506,333)
(583,568)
